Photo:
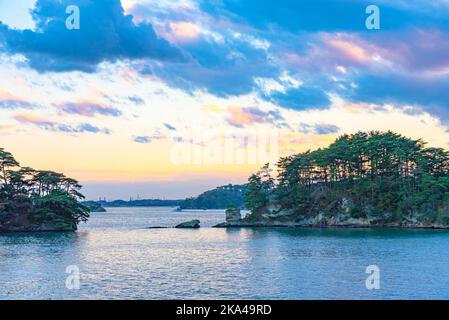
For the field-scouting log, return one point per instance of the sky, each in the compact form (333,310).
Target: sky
(169,98)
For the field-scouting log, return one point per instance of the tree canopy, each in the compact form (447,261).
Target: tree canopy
(38,197)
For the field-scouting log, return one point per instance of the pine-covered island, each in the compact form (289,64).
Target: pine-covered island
(33,200)
(375,179)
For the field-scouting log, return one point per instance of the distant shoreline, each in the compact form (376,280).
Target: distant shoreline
(140,203)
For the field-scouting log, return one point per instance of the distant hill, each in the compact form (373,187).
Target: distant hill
(219,198)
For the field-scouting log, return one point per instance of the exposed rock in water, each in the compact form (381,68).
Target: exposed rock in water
(233,215)
(193,224)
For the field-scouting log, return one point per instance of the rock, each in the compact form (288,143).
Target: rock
(189,224)
(233,215)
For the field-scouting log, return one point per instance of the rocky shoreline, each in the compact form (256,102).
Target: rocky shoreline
(245,224)
(21,223)
(35,228)
(234,220)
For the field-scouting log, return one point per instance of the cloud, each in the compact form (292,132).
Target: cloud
(404,67)
(145,139)
(301,98)
(320,129)
(88,109)
(136,100)
(234,48)
(169,127)
(397,89)
(106,34)
(15,104)
(10,101)
(184,31)
(326,129)
(142,139)
(59,127)
(223,68)
(242,117)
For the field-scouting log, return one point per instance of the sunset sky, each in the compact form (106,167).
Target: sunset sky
(110,103)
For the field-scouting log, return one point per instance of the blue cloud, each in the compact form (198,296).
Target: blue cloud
(321,128)
(432,94)
(301,98)
(82,128)
(326,129)
(142,139)
(222,68)
(86,127)
(136,100)
(105,34)
(15,104)
(169,127)
(61,127)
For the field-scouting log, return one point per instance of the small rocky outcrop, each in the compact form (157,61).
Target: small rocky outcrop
(193,224)
(233,215)
(233,219)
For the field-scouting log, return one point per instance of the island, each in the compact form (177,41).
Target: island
(94,206)
(219,198)
(33,200)
(374,179)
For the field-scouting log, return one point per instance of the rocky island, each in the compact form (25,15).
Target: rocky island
(33,200)
(219,198)
(375,179)
(94,206)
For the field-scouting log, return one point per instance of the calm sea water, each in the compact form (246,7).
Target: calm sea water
(119,259)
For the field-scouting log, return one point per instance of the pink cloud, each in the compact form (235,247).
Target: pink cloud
(184,31)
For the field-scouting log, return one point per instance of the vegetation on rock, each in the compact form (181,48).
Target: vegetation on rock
(370,179)
(33,200)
